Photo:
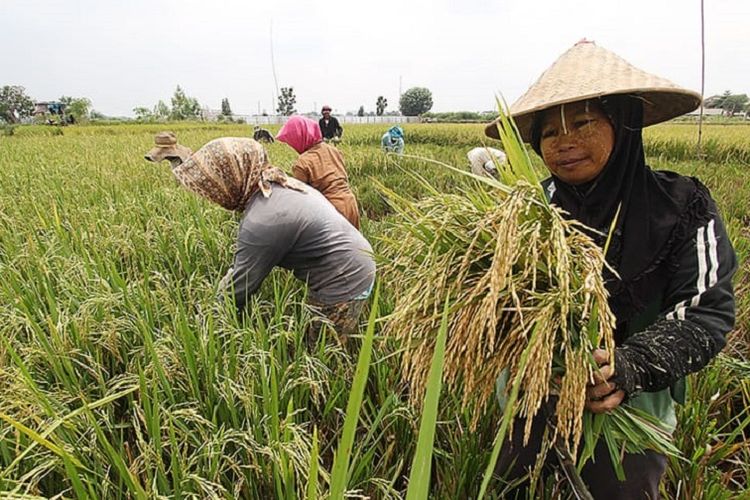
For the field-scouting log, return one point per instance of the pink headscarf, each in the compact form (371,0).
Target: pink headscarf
(300,133)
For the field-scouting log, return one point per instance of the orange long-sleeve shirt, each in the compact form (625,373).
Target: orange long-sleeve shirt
(322,167)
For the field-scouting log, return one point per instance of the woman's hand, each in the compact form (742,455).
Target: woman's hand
(602,396)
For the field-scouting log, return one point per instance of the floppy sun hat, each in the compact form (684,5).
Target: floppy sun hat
(166,147)
(587,71)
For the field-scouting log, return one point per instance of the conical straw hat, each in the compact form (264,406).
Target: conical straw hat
(588,71)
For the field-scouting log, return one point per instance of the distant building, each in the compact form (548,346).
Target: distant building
(707,112)
(40,108)
(210,114)
(52,107)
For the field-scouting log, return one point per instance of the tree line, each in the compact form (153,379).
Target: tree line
(731,103)
(414,102)
(16,105)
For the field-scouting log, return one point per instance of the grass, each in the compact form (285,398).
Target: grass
(115,353)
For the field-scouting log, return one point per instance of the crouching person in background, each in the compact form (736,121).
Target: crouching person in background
(284,223)
(262,135)
(483,161)
(393,140)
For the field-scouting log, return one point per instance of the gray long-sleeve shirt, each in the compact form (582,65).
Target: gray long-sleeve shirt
(304,233)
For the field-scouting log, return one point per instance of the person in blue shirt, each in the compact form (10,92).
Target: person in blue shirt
(393,140)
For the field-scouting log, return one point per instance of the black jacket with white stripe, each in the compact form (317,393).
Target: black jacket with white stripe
(686,327)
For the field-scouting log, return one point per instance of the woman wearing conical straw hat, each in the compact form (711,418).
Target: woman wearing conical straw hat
(671,291)
(284,223)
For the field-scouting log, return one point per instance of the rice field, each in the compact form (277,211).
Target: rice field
(121,376)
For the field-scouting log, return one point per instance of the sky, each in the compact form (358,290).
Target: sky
(345,53)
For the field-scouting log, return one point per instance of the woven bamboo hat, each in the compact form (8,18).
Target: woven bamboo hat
(588,71)
(167,147)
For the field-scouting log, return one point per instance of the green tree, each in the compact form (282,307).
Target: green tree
(162,111)
(730,103)
(184,107)
(380,105)
(143,114)
(77,107)
(287,100)
(715,101)
(361,111)
(735,103)
(15,104)
(226,110)
(415,101)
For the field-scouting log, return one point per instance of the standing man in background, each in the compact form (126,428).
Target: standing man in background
(329,126)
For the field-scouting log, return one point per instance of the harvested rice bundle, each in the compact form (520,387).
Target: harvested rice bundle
(527,295)
(520,278)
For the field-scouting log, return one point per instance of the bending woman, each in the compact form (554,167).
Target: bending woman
(284,223)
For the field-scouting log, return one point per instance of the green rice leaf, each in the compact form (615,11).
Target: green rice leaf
(419,478)
(312,476)
(340,471)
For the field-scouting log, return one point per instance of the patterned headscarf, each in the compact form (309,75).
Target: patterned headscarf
(300,133)
(228,171)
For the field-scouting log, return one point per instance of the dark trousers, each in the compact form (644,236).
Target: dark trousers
(643,471)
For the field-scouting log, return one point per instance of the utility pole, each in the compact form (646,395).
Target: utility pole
(703,81)
(273,63)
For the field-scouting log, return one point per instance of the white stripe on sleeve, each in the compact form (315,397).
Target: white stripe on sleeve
(700,285)
(713,277)
(708,265)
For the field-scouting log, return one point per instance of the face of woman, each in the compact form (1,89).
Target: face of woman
(576,141)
